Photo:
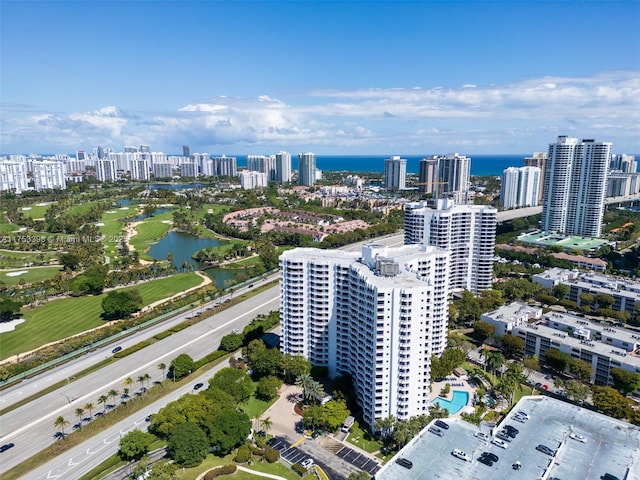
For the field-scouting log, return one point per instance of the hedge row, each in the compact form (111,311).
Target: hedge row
(217,472)
(132,349)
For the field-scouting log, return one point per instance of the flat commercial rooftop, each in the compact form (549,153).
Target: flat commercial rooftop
(569,243)
(611,446)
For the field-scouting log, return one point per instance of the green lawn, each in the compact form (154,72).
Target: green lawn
(254,407)
(113,228)
(212,461)
(35,210)
(151,230)
(33,274)
(69,316)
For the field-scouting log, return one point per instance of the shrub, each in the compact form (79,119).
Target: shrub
(217,472)
(243,455)
(132,349)
(162,335)
(271,455)
(299,469)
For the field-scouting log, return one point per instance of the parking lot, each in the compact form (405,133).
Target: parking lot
(611,446)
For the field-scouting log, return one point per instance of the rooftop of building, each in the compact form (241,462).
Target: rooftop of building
(564,241)
(629,336)
(611,447)
(514,309)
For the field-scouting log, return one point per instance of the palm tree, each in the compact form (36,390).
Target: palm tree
(141,380)
(495,360)
(147,378)
(128,382)
(163,367)
(315,392)
(103,400)
(60,423)
(113,393)
(89,406)
(304,381)
(385,426)
(266,424)
(79,413)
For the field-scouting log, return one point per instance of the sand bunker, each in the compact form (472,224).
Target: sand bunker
(16,274)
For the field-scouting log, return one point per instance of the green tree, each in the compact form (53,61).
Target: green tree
(576,390)
(60,422)
(103,399)
(267,362)
(561,291)
(625,381)
(163,367)
(610,402)
(134,445)
(188,445)
(181,366)
(268,255)
(9,309)
(69,261)
(483,330)
(89,408)
(604,300)
(293,366)
(495,361)
(231,342)
(121,303)
(360,475)
(268,387)
(512,345)
(228,429)
(580,369)
(80,414)
(164,470)
(265,424)
(235,382)
(556,359)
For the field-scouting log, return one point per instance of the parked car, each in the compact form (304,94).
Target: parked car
(510,428)
(492,456)
(404,462)
(7,446)
(436,431)
(500,443)
(481,435)
(460,454)
(485,460)
(577,437)
(441,424)
(503,436)
(510,433)
(517,418)
(307,463)
(546,450)
(523,414)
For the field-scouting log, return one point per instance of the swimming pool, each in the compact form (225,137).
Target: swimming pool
(453,406)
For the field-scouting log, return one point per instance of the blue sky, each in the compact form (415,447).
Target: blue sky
(329,77)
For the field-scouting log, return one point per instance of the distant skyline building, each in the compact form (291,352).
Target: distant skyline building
(106,170)
(186,151)
(454,177)
(538,159)
(575,186)
(262,163)
(225,166)
(520,187)
(395,173)
(427,174)
(250,180)
(13,177)
(48,175)
(307,169)
(139,169)
(467,231)
(624,163)
(378,315)
(283,167)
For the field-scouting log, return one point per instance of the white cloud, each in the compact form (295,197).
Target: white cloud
(605,106)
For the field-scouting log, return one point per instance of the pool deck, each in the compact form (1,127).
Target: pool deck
(461,384)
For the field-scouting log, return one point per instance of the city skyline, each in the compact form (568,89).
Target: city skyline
(328,77)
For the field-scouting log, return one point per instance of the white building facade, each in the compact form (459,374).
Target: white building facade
(48,175)
(575,186)
(395,173)
(520,187)
(252,180)
(283,167)
(468,231)
(13,177)
(378,316)
(307,169)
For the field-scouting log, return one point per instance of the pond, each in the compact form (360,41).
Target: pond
(182,246)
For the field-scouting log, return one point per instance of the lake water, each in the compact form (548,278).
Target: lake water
(182,245)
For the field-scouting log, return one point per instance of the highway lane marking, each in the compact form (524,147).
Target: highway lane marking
(147,365)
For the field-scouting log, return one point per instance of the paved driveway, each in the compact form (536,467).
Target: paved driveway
(283,416)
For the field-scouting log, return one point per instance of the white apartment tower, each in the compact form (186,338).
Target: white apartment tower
(538,159)
(378,316)
(395,173)
(106,170)
(454,177)
(139,169)
(575,185)
(307,169)
(467,231)
(283,167)
(250,180)
(13,177)
(520,187)
(49,175)
(262,163)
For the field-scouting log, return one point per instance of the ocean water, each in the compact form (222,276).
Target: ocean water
(481,165)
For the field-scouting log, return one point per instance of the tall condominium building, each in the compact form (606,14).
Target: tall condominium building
(186,151)
(395,173)
(262,163)
(139,169)
(283,167)
(226,166)
(575,185)
(520,187)
(162,170)
(188,168)
(49,175)
(454,177)
(467,231)
(378,316)
(624,163)
(250,180)
(145,149)
(106,170)
(538,159)
(13,177)
(307,169)
(427,174)
(129,149)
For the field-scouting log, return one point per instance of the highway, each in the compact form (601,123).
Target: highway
(31,427)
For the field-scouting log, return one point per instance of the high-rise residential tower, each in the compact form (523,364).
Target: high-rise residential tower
(538,159)
(395,173)
(378,316)
(307,169)
(520,187)
(283,167)
(575,185)
(454,177)
(427,174)
(467,231)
